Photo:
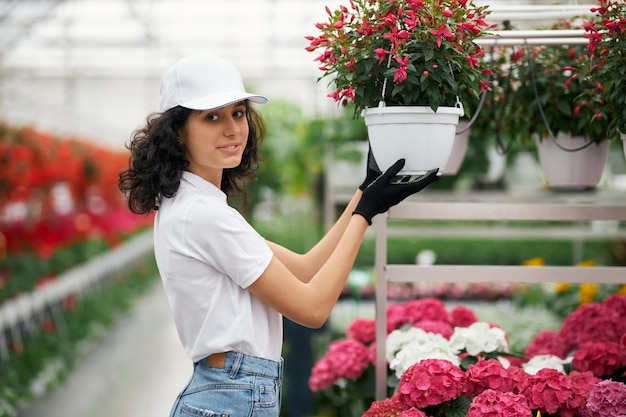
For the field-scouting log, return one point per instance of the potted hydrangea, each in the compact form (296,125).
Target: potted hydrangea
(559,104)
(607,46)
(400,56)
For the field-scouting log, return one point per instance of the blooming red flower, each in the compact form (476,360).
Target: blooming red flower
(427,309)
(396,316)
(441,33)
(362,330)
(592,322)
(389,407)
(487,374)
(547,342)
(462,316)
(440,327)
(430,382)
(344,359)
(490,403)
(602,359)
(547,390)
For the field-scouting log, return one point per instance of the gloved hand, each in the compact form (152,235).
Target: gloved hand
(382,194)
(372,172)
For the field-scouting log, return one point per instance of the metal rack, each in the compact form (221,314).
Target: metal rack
(539,206)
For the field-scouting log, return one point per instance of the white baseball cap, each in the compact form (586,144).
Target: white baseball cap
(203,82)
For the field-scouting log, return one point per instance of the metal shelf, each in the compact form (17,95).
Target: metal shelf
(537,206)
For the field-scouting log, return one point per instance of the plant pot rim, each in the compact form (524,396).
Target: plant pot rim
(413,109)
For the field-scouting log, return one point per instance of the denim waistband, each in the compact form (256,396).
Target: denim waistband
(240,362)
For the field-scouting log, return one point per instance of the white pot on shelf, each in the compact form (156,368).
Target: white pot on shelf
(416,133)
(581,169)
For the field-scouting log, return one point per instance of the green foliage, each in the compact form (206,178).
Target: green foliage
(483,251)
(418,53)
(45,354)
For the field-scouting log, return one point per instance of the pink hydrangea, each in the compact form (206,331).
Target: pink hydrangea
(592,322)
(344,359)
(427,309)
(322,375)
(462,316)
(616,303)
(600,358)
(396,317)
(487,374)
(430,382)
(490,403)
(362,330)
(516,375)
(607,398)
(547,390)
(582,383)
(440,327)
(547,342)
(389,407)
(413,412)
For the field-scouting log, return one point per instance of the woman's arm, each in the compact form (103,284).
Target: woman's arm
(304,266)
(310,303)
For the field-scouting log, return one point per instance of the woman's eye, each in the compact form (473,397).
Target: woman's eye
(240,113)
(212,117)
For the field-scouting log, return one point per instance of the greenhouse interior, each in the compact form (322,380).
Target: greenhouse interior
(499,289)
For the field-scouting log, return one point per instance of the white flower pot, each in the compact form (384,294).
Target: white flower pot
(574,170)
(458,149)
(424,138)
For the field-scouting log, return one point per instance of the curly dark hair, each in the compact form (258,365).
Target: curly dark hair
(157,159)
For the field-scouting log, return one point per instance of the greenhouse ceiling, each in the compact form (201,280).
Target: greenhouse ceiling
(50,37)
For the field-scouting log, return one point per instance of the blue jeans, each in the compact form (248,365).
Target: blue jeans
(247,386)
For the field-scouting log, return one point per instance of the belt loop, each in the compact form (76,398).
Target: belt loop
(236,364)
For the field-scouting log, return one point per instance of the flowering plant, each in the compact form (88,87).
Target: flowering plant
(402,52)
(607,46)
(449,364)
(556,91)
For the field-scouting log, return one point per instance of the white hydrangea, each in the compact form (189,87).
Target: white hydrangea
(407,347)
(478,338)
(539,362)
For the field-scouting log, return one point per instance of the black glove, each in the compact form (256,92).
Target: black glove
(382,194)
(372,172)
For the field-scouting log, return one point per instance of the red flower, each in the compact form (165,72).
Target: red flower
(440,327)
(547,342)
(441,33)
(427,309)
(462,316)
(491,403)
(389,407)
(592,322)
(362,330)
(547,390)
(430,382)
(487,374)
(344,359)
(600,358)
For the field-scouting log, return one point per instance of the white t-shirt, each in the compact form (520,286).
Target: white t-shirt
(207,255)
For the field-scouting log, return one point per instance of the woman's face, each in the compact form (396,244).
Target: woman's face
(215,140)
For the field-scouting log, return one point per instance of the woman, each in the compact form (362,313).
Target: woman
(227,286)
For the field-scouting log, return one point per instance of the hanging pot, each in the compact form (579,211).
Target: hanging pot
(423,137)
(572,169)
(459,149)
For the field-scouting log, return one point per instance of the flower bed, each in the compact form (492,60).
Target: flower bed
(447,363)
(69,258)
